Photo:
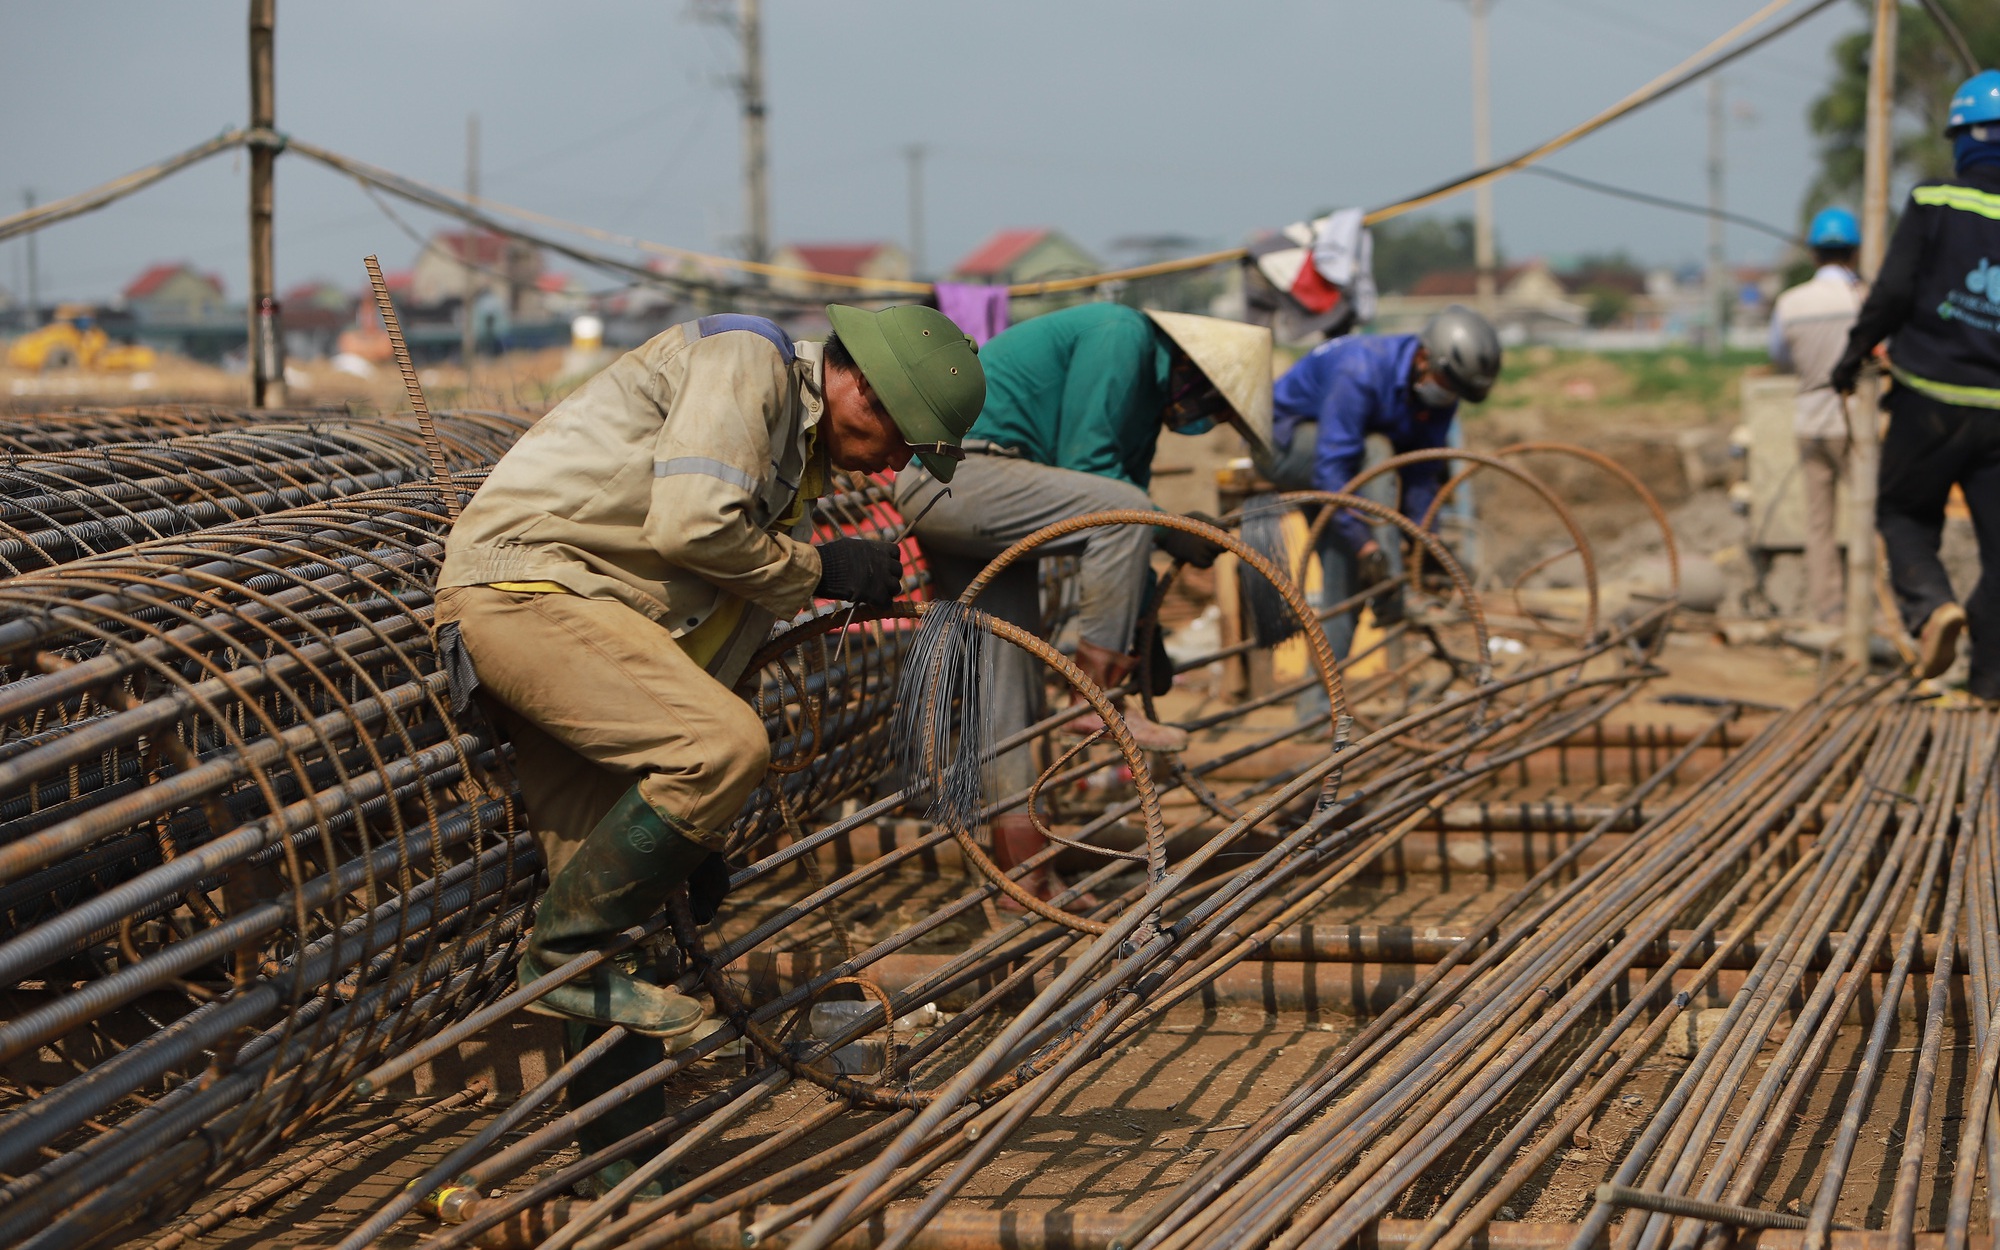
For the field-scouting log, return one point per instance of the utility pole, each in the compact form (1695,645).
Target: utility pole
(1862,414)
(267,342)
(914,154)
(1482,156)
(469,348)
(756,163)
(34,274)
(1718,276)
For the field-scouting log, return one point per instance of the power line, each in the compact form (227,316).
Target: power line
(1664,37)
(1661,201)
(1712,57)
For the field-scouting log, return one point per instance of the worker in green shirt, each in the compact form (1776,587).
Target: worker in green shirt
(1075,402)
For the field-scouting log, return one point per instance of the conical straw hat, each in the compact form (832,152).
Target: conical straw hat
(1234,356)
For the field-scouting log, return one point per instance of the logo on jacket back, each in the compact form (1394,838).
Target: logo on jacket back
(1978,305)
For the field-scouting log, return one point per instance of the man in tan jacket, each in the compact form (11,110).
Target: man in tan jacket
(612,577)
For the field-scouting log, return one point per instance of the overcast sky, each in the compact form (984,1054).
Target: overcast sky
(1105,118)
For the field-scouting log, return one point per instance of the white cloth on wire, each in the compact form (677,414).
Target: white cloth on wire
(1344,253)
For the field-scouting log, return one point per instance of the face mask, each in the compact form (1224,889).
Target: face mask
(1434,395)
(1976,145)
(1192,407)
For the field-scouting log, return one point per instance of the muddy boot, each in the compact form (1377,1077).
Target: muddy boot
(617,878)
(1108,668)
(621,1063)
(1015,842)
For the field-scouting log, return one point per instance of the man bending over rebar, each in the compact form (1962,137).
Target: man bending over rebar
(1075,404)
(1404,386)
(609,583)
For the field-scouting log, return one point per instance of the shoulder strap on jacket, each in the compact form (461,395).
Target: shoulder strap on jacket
(718,323)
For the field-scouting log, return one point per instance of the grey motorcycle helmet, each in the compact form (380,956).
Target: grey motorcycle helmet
(1464,349)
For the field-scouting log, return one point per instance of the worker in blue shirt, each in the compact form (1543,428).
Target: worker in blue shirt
(1406,387)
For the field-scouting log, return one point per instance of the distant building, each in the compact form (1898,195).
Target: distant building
(1016,256)
(1534,304)
(877,260)
(1040,254)
(454,262)
(1757,288)
(563,295)
(175,295)
(315,313)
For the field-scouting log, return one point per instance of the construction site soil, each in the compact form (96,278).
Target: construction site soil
(1154,1108)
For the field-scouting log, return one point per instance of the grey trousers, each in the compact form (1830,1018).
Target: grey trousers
(995,502)
(1822,465)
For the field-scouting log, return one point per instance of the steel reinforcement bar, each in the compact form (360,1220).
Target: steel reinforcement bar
(1164,925)
(246,848)
(62,506)
(254,856)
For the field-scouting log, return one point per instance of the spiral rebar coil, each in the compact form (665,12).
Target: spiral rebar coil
(243,844)
(28,429)
(61,506)
(246,849)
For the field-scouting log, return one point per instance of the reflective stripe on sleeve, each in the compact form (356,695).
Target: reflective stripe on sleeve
(705,467)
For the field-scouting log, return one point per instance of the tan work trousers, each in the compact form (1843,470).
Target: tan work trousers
(1822,465)
(596,698)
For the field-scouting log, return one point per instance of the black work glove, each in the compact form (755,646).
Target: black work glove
(707,886)
(859,570)
(1188,548)
(1160,665)
(1370,569)
(1846,373)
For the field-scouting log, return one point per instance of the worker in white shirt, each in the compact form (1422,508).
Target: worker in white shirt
(1809,328)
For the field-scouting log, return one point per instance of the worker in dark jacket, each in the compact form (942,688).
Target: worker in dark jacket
(1937,301)
(1404,386)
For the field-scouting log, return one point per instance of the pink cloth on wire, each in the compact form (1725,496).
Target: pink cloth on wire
(980,311)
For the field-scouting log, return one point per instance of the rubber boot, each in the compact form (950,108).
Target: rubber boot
(1015,842)
(1108,668)
(617,878)
(625,1060)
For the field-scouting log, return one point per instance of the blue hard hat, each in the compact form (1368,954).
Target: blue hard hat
(1834,227)
(1976,102)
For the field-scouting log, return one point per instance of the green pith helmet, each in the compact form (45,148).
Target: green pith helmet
(924,369)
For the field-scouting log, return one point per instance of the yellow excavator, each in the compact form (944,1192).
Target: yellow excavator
(74,340)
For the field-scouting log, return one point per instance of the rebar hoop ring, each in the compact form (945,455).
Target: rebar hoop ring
(1533,483)
(1319,648)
